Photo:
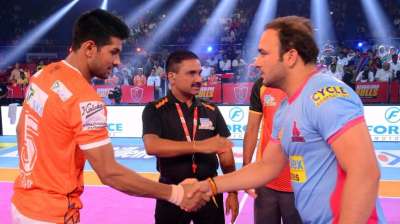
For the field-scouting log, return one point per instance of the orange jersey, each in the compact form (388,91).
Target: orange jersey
(61,116)
(266,101)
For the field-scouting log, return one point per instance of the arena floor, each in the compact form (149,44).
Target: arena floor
(109,206)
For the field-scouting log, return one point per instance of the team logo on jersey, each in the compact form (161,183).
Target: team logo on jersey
(36,98)
(269,100)
(61,90)
(93,115)
(298,172)
(328,92)
(28,151)
(206,124)
(296,134)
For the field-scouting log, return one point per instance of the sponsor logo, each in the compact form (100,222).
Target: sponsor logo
(93,115)
(206,124)
(269,100)
(298,172)
(367,91)
(329,92)
(115,127)
(36,98)
(388,158)
(61,90)
(240,92)
(392,114)
(137,94)
(384,124)
(206,92)
(236,114)
(296,134)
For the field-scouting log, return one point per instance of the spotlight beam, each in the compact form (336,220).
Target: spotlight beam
(138,13)
(104,5)
(213,28)
(34,35)
(321,18)
(266,12)
(378,23)
(165,27)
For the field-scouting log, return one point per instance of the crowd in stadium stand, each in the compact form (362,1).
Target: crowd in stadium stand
(342,59)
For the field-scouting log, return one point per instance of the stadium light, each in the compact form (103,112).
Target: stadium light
(29,39)
(104,5)
(213,28)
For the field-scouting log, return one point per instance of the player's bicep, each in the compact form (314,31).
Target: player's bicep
(274,154)
(254,120)
(333,114)
(101,159)
(355,142)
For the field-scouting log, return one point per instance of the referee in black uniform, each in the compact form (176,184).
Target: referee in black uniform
(186,134)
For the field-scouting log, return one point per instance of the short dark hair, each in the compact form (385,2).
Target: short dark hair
(176,57)
(296,33)
(99,26)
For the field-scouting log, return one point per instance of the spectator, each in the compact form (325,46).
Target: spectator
(206,71)
(139,79)
(384,74)
(365,76)
(15,74)
(155,81)
(333,72)
(395,66)
(225,65)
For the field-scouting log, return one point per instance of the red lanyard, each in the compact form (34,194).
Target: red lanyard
(186,130)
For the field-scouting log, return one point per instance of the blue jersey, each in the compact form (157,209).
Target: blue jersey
(306,124)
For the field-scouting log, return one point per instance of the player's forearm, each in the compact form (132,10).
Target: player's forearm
(250,176)
(249,145)
(227,162)
(130,182)
(168,148)
(359,196)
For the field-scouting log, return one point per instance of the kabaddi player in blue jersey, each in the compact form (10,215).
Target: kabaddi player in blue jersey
(319,129)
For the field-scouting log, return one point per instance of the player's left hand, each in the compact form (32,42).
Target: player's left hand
(232,206)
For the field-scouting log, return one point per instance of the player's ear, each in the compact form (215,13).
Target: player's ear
(171,76)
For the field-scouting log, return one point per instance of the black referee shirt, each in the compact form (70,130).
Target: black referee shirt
(162,119)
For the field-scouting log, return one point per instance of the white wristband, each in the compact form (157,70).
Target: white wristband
(177,195)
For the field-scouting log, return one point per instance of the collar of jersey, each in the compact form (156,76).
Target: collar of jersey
(71,66)
(172,99)
(298,91)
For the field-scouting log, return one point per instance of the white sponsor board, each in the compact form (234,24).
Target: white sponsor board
(126,121)
(236,119)
(383,122)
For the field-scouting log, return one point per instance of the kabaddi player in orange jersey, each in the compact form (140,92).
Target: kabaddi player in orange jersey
(63,123)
